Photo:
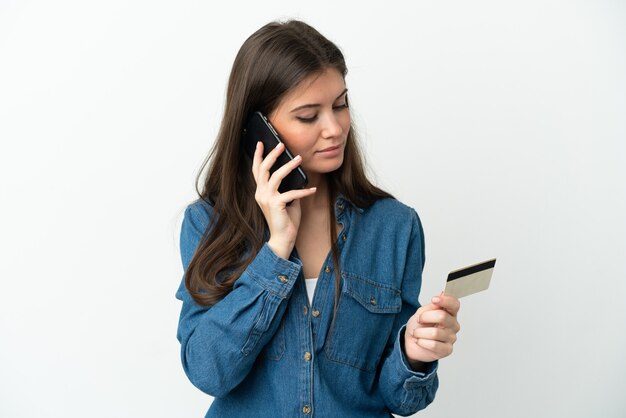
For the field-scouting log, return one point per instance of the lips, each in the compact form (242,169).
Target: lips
(330,148)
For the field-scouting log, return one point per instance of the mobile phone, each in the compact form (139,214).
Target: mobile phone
(258,128)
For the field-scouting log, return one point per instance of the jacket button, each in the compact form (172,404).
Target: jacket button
(306,409)
(340,205)
(344,237)
(373,300)
(283,278)
(327,269)
(307,356)
(315,313)
(306,310)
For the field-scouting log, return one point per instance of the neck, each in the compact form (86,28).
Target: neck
(317,201)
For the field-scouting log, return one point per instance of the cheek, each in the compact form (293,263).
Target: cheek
(299,140)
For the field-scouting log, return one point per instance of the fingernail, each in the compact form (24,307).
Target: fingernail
(436,299)
(297,157)
(313,188)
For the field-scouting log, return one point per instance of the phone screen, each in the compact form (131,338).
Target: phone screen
(258,128)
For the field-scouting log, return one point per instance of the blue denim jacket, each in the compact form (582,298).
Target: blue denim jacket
(264,351)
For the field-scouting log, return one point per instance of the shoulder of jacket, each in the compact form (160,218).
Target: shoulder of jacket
(390,208)
(199,212)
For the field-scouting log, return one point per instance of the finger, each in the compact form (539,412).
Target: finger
(437,317)
(416,316)
(441,319)
(443,335)
(257,158)
(271,158)
(297,194)
(447,302)
(283,171)
(429,307)
(417,342)
(425,308)
(437,347)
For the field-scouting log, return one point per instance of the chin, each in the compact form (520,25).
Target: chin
(328,167)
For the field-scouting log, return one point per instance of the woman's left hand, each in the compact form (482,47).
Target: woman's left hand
(431,331)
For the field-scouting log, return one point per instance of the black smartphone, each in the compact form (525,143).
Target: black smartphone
(258,128)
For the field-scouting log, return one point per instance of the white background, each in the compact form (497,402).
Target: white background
(502,123)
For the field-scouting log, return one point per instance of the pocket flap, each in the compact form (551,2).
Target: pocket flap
(373,296)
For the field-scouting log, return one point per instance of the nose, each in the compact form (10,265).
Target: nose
(331,127)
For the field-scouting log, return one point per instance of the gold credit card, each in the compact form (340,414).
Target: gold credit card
(471,279)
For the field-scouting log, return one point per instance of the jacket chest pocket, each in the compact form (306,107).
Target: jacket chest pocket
(363,323)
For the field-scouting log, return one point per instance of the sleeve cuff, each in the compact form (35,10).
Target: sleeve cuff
(274,273)
(412,378)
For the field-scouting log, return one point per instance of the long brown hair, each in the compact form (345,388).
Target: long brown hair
(270,63)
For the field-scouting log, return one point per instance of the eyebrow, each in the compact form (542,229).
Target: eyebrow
(306,106)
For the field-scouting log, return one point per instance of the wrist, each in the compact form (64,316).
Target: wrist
(280,249)
(418,366)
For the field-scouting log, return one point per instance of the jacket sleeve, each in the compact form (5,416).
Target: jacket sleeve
(219,344)
(406,391)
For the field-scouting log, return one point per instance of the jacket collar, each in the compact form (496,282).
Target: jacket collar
(341,202)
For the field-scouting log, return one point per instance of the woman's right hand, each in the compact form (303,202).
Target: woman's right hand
(282,219)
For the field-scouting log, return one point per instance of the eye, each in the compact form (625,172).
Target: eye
(307,120)
(343,105)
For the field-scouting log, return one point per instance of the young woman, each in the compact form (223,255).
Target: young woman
(304,303)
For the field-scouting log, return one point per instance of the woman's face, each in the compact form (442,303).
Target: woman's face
(313,120)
